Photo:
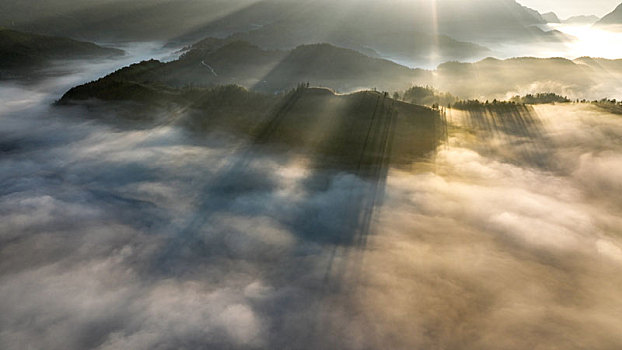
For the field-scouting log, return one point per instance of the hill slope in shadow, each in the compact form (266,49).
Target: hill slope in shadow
(363,132)
(215,62)
(20,52)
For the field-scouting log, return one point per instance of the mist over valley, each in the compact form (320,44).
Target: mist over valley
(311,174)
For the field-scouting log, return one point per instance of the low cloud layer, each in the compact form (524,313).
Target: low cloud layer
(122,238)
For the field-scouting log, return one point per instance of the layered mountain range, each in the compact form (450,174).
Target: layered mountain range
(213,62)
(399,29)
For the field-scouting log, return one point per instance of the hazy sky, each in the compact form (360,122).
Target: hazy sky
(567,8)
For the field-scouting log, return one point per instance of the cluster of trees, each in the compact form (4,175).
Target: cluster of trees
(425,95)
(429,96)
(541,98)
(478,105)
(610,101)
(529,99)
(611,105)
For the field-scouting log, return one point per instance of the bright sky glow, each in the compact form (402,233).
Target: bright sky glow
(593,42)
(567,8)
(589,42)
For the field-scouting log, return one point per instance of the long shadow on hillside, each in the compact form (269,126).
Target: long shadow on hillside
(360,136)
(516,125)
(347,145)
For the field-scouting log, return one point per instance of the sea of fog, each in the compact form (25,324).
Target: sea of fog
(115,237)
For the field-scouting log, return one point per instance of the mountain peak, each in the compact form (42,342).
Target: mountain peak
(551,17)
(613,18)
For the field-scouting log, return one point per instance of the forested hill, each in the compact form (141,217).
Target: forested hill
(219,62)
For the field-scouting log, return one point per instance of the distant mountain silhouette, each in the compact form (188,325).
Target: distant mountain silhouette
(613,18)
(109,20)
(463,20)
(582,19)
(397,29)
(408,31)
(373,28)
(584,77)
(214,62)
(551,17)
(21,51)
(340,69)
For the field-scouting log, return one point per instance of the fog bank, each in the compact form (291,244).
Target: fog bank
(116,236)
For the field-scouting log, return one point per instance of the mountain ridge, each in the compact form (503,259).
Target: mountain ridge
(22,51)
(587,19)
(213,62)
(551,17)
(613,18)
